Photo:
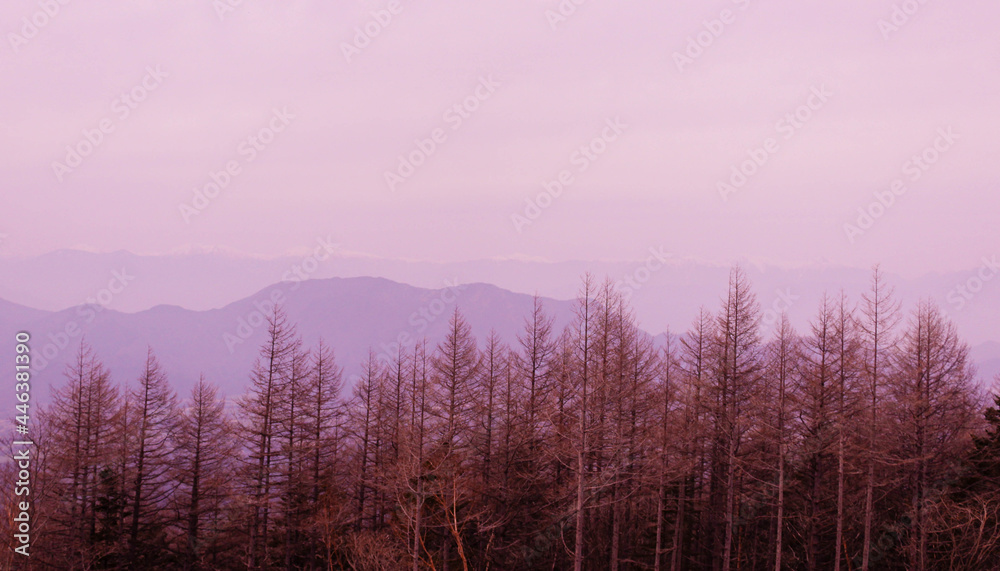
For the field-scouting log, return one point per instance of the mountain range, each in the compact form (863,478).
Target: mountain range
(352,315)
(116,309)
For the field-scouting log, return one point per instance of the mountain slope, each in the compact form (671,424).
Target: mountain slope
(352,315)
(664,290)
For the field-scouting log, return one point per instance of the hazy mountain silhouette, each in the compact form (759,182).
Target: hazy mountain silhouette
(351,314)
(669,295)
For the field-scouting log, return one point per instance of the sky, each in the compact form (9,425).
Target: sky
(789,132)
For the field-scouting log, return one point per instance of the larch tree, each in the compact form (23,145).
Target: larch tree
(879,315)
(81,421)
(666,397)
(817,397)
(324,416)
(584,333)
(935,412)
(259,416)
(294,431)
(155,426)
(364,414)
(418,430)
(533,363)
(738,365)
(784,364)
(694,361)
(455,365)
(204,460)
(847,372)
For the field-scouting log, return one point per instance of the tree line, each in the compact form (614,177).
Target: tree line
(862,443)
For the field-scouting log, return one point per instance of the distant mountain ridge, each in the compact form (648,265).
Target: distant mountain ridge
(665,291)
(353,315)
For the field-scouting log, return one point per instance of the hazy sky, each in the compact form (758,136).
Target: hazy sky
(671,118)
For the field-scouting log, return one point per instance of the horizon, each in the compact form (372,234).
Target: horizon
(664,296)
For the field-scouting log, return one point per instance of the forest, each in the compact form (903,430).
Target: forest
(865,442)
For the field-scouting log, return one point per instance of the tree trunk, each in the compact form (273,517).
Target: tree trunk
(678,549)
(657,556)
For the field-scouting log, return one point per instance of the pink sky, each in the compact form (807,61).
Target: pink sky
(552,90)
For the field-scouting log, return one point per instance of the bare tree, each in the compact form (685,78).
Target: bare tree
(259,428)
(583,332)
(364,414)
(533,361)
(418,416)
(293,427)
(784,362)
(737,373)
(456,364)
(879,317)
(155,424)
(82,419)
(203,461)
(817,395)
(323,416)
(934,412)
(667,396)
(847,373)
